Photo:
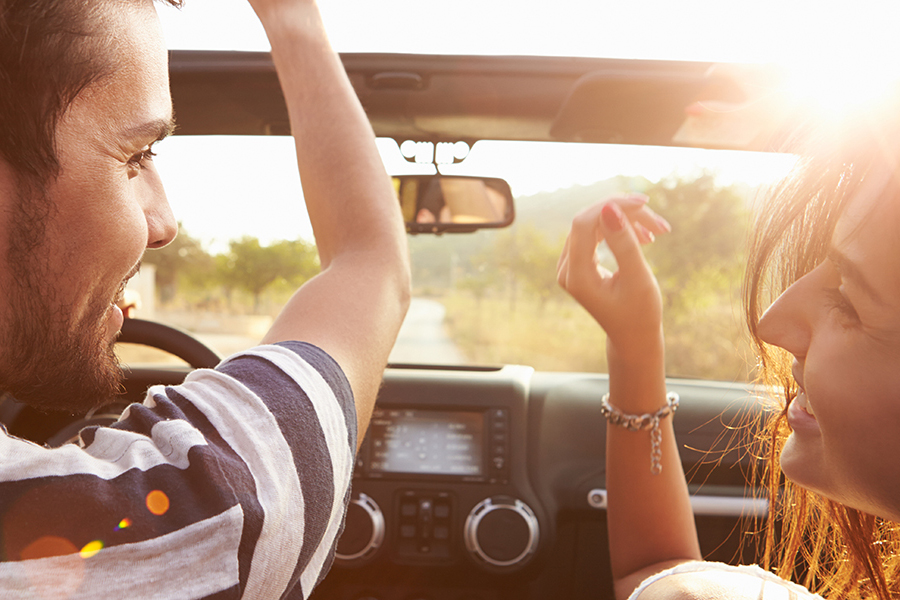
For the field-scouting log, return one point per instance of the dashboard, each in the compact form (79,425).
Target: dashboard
(488,483)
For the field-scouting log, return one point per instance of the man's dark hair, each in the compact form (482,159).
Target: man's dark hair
(50,50)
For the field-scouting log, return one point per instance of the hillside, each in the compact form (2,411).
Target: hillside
(552,212)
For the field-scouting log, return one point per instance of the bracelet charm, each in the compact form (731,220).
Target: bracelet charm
(643,422)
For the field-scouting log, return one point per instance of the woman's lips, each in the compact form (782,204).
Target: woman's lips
(800,416)
(802,403)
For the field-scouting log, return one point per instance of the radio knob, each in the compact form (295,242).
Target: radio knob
(502,533)
(363,532)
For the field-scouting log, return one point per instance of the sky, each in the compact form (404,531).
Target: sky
(757,31)
(211,180)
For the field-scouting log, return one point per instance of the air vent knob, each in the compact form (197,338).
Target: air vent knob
(363,532)
(502,533)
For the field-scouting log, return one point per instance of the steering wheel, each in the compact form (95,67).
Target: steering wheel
(174,341)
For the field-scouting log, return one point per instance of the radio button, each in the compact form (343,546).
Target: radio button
(424,525)
(441,511)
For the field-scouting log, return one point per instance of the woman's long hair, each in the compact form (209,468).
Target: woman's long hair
(834,550)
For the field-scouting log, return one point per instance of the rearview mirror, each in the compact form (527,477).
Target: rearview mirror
(438,203)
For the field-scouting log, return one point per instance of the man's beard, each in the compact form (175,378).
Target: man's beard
(47,359)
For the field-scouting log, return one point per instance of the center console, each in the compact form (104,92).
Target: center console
(441,477)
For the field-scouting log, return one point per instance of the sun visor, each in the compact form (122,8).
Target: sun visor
(654,108)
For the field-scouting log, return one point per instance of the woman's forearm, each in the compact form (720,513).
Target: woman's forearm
(649,514)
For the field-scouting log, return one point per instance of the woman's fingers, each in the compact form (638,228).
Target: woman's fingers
(628,219)
(650,222)
(582,243)
(562,265)
(622,239)
(625,303)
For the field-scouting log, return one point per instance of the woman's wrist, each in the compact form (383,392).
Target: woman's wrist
(638,353)
(637,379)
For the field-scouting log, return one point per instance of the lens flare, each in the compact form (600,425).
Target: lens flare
(157,502)
(48,546)
(91,548)
(123,524)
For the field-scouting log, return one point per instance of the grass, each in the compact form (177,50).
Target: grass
(556,336)
(702,342)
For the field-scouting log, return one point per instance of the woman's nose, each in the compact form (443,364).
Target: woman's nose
(787,323)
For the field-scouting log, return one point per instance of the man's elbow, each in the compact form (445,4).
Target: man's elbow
(395,265)
(404,286)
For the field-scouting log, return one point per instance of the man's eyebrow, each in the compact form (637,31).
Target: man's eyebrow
(157,130)
(851,271)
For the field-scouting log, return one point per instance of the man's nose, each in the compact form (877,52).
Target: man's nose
(161,225)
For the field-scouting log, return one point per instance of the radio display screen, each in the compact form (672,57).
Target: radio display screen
(427,442)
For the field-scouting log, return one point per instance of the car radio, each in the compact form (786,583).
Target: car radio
(469,445)
(441,476)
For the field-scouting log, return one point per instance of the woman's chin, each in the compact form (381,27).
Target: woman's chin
(797,461)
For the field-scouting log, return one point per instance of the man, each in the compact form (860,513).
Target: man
(233,485)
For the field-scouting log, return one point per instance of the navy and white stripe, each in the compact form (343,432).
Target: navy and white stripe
(255,458)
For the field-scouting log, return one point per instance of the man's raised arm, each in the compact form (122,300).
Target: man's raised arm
(353,309)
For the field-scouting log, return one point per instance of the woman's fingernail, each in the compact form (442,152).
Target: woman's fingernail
(635,199)
(638,197)
(647,233)
(663,223)
(612,216)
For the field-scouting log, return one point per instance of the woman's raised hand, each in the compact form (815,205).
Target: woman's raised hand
(626,303)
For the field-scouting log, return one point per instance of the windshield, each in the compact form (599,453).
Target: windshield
(490,297)
(486,298)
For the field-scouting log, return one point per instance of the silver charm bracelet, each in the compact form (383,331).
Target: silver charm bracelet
(641,423)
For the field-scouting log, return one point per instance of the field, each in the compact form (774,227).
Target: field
(558,335)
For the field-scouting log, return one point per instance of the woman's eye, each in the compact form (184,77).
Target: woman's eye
(839,302)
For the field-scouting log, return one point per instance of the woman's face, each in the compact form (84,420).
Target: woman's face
(841,322)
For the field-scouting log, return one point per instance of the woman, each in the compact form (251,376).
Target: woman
(828,240)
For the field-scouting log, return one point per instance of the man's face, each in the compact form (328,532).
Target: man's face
(58,318)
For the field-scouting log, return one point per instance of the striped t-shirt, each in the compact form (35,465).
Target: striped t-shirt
(232,485)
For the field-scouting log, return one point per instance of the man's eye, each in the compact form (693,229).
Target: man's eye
(141,159)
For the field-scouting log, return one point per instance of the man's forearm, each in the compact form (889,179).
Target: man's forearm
(354,308)
(349,196)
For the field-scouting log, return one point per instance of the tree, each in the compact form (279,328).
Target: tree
(699,266)
(709,230)
(529,260)
(184,261)
(253,267)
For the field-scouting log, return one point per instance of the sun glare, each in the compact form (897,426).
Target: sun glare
(846,57)
(840,87)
